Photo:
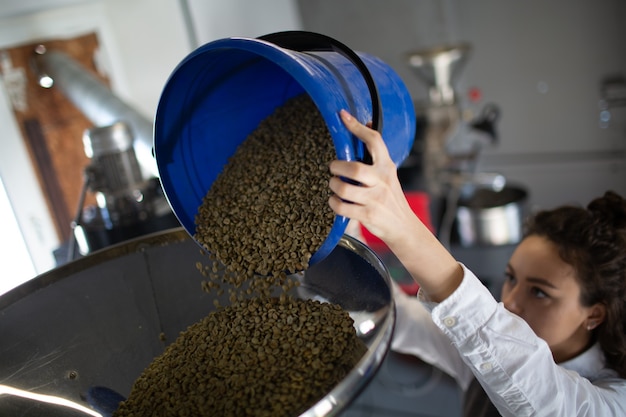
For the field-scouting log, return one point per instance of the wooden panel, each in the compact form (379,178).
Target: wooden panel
(52,128)
(43,161)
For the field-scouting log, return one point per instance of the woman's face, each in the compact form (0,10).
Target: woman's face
(542,289)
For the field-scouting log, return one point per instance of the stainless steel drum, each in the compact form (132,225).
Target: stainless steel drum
(490,217)
(100,321)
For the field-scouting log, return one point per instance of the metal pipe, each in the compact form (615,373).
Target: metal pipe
(97,101)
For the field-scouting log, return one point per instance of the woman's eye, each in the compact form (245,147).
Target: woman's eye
(537,292)
(509,278)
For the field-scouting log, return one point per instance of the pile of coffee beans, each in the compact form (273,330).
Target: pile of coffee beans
(259,357)
(267,212)
(266,353)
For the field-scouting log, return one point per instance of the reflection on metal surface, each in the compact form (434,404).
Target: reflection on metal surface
(50,399)
(323,407)
(366,326)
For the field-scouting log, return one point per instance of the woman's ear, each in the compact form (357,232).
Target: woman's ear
(597,314)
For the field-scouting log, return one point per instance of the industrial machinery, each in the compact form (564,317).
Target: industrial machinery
(448,144)
(127,205)
(122,173)
(468,207)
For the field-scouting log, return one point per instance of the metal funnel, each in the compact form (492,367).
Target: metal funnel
(439,67)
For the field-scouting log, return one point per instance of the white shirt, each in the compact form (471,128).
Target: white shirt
(471,335)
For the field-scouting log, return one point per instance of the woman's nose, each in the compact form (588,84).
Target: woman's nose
(511,300)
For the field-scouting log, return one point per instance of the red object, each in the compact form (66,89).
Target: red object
(410,289)
(475,95)
(419,203)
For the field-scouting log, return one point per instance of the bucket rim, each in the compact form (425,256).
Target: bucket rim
(296,67)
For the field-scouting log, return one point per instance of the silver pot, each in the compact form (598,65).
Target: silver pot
(486,216)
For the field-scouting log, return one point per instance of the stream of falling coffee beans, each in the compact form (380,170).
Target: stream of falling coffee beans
(265,353)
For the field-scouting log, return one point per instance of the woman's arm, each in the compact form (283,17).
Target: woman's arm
(380,205)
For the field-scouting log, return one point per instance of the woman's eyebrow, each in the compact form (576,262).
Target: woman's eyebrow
(534,280)
(541,281)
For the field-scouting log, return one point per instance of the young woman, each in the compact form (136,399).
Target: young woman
(554,346)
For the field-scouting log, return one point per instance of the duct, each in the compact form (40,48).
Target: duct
(96,101)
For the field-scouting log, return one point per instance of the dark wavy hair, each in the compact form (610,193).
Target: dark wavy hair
(593,241)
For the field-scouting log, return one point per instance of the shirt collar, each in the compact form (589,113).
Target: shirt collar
(590,364)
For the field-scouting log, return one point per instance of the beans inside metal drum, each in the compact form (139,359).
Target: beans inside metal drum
(268,209)
(262,358)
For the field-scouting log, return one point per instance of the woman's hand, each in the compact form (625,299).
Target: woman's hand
(377,201)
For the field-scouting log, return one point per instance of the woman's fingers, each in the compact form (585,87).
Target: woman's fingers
(368,193)
(359,205)
(349,191)
(356,182)
(370,138)
(361,173)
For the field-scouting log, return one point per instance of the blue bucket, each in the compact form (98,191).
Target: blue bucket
(221,92)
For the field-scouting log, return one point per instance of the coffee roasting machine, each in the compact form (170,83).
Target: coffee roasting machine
(448,143)
(122,173)
(469,207)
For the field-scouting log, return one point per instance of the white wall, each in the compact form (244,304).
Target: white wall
(216,19)
(150,39)
(29,210)
(543,63)
(13,250)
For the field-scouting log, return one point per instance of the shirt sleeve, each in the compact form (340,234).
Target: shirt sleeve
(416,334)
(513,365)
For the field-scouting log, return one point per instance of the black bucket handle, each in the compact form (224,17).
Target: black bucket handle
(302,41)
